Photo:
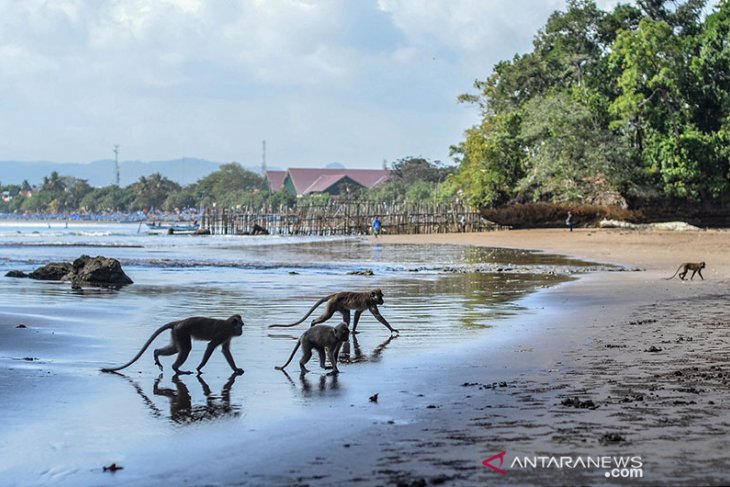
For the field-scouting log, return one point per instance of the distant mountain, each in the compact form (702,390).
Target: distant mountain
(101,173)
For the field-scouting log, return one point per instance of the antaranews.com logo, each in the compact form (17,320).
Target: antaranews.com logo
(617,467)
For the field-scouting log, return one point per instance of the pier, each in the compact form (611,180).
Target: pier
(350,218)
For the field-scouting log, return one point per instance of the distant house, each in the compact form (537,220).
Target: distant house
(302,181)
(274,180)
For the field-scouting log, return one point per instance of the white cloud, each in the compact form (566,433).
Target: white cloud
(354,81)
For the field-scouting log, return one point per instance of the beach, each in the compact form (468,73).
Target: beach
(616,366)
(624,368)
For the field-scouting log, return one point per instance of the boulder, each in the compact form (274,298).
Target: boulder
(16,274)
(55,271)
(98,271)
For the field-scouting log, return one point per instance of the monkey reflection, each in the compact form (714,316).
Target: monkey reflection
(326,382)
(358,356)
(182,409)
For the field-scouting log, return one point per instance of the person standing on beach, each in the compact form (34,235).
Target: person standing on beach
(569,221)
(376,226)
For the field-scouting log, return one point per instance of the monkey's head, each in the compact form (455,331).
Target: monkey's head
(237,324)
(376,296)
(342,333)
(702,265)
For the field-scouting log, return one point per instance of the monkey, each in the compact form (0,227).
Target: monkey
(326,340)
(216,332)
(695,267)
(344,302)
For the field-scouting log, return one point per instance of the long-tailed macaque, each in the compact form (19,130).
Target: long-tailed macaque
(695,267)
(216,332)
(326,340)
(344,302)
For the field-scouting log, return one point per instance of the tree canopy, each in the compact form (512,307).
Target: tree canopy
(611,107)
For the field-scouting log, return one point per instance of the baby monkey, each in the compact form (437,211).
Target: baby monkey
(324,339)
(216,332)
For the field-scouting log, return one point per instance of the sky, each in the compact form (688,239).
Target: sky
(357,82)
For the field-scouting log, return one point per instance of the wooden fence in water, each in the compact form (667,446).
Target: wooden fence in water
(345,219)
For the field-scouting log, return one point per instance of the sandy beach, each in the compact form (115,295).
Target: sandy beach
(619,368)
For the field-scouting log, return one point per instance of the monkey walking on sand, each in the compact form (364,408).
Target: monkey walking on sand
(344,302)
(323,338)
(695,267)
(216,332)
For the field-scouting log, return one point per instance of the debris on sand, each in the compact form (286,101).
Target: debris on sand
(575,402)
(364,272)
(609,438)
(113,468)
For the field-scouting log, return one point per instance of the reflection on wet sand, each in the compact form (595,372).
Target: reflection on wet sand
(327,382)
(182,409)
(358,356)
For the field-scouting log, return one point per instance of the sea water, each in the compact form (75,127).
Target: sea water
(58,413)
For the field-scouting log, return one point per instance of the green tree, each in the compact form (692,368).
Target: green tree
(152,191)
(229,186)
(109,198)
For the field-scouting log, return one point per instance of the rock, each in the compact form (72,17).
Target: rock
(259,230)
(16,274)
(55,271)
(364,272)
(99,271)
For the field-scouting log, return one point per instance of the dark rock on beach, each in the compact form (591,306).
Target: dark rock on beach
(55,271)
(364,272)
(89,271)
(99,271)
(16,274)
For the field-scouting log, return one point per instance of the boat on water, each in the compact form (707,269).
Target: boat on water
(176,228)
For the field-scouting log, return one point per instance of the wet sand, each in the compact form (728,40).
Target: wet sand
(625,364)
(622,364)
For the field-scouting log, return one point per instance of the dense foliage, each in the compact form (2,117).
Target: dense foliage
(414,179)
(608,107)
(231,185)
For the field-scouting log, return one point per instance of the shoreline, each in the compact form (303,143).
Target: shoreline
(441,414)
(650,355)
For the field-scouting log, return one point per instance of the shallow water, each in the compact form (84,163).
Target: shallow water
(57,410)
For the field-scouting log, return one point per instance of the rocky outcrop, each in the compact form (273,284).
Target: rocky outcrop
(55,271)
(98,271)
(84,271)
(16,274)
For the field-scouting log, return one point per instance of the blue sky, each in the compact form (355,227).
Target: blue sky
(350,81)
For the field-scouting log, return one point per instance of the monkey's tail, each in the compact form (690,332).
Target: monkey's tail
(311,310)
(293,352)
(675,273)
(146,345)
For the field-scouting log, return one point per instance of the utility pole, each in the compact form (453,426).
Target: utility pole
(263,160)
(116,162)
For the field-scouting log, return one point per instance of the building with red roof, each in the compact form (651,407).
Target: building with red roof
(301,181)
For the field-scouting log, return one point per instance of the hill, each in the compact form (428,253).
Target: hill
(101,173)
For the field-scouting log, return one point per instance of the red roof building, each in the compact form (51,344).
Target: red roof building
(301,181)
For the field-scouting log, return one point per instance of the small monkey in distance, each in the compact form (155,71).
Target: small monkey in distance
(695,267)
(323,338)
(216,332)
(344,302)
